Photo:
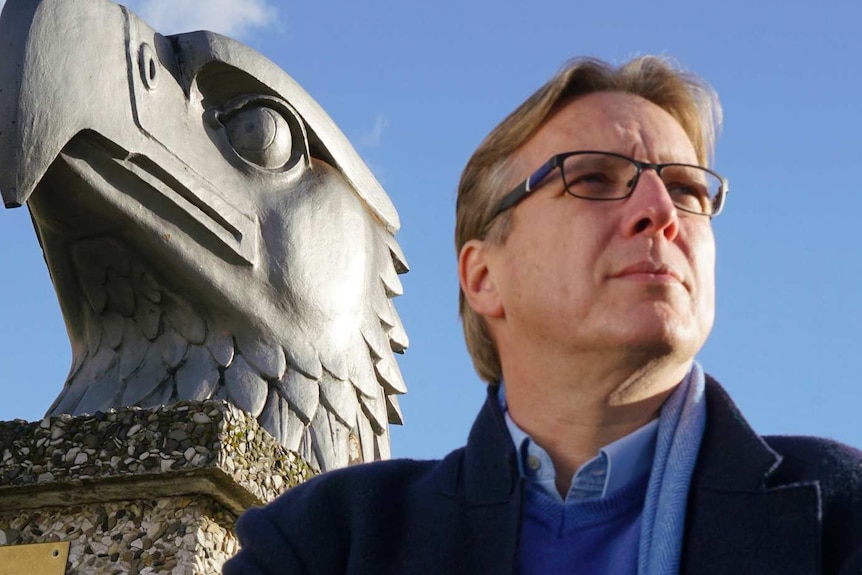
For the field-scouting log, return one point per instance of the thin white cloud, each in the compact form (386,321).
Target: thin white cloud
(235,18)
(373,137)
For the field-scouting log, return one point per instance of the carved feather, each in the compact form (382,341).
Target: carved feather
(339,397)
(144,380)
(361,369)
(198,377)
(220,345)
(120,295)
(113,328)
(148,317)
(101,393)
(132,352)
(301,392)
(245,387)
(173,348)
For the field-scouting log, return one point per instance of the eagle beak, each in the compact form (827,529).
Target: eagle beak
(45,60)
(76,66)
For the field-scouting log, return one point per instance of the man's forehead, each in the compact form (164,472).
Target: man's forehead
(609,121)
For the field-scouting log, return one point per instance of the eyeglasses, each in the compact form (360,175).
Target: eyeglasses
(606,176)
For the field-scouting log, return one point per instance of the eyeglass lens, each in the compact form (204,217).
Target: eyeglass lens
(608,177)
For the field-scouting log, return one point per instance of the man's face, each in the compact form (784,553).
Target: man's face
(590,276)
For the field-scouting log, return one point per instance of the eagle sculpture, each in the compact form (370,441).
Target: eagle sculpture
(209,231)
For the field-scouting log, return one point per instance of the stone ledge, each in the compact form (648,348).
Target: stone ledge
(208,481)
(182,535)
(206,447)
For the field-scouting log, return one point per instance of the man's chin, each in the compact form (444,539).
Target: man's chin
(661,339)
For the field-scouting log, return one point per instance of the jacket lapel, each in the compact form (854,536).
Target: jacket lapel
(490,488)
(737,521)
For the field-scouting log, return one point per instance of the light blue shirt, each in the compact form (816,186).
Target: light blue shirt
(616,464)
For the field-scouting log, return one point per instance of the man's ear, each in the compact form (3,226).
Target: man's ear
(477,281)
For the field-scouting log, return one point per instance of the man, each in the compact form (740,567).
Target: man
(586,260)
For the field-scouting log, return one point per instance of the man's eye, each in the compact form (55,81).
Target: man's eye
(596,184)
(595,178)
(689,196)
(260,135)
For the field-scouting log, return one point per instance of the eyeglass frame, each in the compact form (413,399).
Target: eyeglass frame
(522,190)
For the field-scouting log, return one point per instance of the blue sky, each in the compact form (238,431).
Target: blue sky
(416,86)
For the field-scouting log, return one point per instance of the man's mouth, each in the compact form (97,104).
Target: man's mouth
(651,272)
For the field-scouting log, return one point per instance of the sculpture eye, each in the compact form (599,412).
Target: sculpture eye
(262,130)
(261,135)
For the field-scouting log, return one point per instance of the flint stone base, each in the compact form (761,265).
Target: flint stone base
(140,491)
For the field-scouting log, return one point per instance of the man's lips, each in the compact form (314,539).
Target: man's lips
(648,271)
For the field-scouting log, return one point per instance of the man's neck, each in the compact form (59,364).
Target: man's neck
(572,417)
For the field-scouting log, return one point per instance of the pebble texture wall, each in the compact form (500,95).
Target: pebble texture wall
(140,491)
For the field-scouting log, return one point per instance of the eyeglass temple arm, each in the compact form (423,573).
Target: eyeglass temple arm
(525,187)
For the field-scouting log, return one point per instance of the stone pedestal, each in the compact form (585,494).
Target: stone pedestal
(139,491)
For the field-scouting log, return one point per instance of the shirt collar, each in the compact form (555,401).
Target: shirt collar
(631,456)
(616,465)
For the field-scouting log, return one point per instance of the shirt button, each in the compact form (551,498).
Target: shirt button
(597,472)
(533,462)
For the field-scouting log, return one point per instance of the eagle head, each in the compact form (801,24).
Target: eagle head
(209,230)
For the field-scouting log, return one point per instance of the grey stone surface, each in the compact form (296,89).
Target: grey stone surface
(209,230)
(193,448)
(140,490)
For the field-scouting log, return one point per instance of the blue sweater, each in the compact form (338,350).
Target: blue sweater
(592,536)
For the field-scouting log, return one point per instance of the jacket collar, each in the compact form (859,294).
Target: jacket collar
(484,476)
(489,469)
(732,456)
(738,520)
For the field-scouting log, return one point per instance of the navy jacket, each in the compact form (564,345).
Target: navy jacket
(774,505)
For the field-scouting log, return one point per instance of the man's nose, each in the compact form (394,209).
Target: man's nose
(649,209)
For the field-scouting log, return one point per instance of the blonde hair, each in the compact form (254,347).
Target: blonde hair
(487,177)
